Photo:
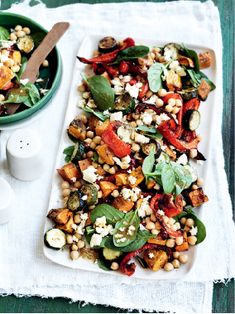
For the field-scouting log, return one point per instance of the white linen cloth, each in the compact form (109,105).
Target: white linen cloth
(23,268)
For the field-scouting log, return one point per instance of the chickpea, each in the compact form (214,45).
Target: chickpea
(77,219)
(176,263)
(112,170)
(115,193)
(100,160)
(139,122)
(169,108)
(65,185)
(157,225)
(100,194)
(20,34)
(168,267)
(2,97)
(90,134)
(192,240)
(155,231)
(178,103)
(133,124)
(88,140)
(162,92)
(74,255)
(90,154)
(176,110)
(15,68)
(149,94)
(114,266)
(194,187)
(81,88)
(183,220)
(190,222)
(150,225)
(74,247)
(106,167)
(69,239)
(97,139)
(171,102)
(176,254)
(200,182)
(153,218)
(135,147)
(66,192)
(13,37)
(9,63)
(193,153)
(179,240)
(18,28)
(86,95)
(81,244)
(183,258)
(170,243)
(93,145)
(83,118)
(77,184)
(26,30)
(77,236)
(45,63)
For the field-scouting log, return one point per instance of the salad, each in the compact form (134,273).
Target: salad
(130,190)
(16,47)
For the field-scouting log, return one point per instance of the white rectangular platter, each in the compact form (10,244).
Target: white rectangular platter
(88,45)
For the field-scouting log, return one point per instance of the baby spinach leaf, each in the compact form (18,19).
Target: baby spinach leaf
(154,77)
(96,113)
(32,92)
(4,33)
(192,55)
(126,229)
(131,53)
(141,238)
(112,214)
(197,77)
(74,152)
(17,96)
(168,178)
(101,91)
(101,263)
(68,153)
(183,178)
(148,163)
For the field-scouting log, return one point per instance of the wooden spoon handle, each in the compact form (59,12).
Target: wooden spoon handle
(42,51)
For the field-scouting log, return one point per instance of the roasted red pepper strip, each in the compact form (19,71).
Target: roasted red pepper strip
(165,203)
(171,137)
(119,148)
(110,56)
(192,104)
(154,200)
(129,269)
(143,91)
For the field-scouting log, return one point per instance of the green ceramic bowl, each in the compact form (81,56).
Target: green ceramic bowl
(9,20)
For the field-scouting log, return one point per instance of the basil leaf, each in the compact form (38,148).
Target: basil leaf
(154,77)
(126,229)
(4,33)
(148,163)
(112,214)
(68,153)
(192,55)
(183,178)
(101,92)
(131,53)
(168,178)
(96,113)
(141,238)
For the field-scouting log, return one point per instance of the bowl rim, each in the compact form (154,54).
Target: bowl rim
(45,99)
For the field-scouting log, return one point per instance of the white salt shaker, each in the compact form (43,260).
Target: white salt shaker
(6,201)
(24,154)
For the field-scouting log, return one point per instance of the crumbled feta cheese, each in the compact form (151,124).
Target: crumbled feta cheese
(4,58)
(139,138)
(180,71)
(100,221)
(116,82)
(147,118)
(118,90)
(132,228)
(116,116)
(174,65)
(84,216)
(151,100)
(126,193)
(133,90)
(122,229)
(183,159)
(144,209)
(193,231)
(151,255)
(124,163)
(106,112)
(124,134)
(43,90)
(89,174)
(170,53)
(81,227)
(6,44)
(91,103)
(132,180)
(118,236)
(162,117)
(126,78)
(142,228)
(81,103)
(161,212)
(130,194)
(24,82)
(84,197)
(96,240)
(104,231)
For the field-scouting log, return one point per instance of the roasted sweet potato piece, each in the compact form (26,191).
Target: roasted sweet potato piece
(122,204)
(93,122)
(68,226)
(204,89)
(155,259)
(84,164)
(121,179)
(205,60)
(186,61)
(138,174)
(150,184)
(60,216)
(100,128)
(106,154)
(6,74)
(182,247)
(107,188)
(100,171)
(157,241)
(197,197)
(69,172)
(77,129)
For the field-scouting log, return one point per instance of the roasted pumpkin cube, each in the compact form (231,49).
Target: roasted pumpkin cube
(93,122)
(69,172)
(77,129)
(204,89)
(100,128)
(197,197)
(157,241)
(122,204)
(107,188)
(106,154)
(121,179)
(60,216)
(84,164)
(68,226)
(150,184)
(205,60)
(6,74)
(100,171)
(155,259)
(183,247)
(138,175)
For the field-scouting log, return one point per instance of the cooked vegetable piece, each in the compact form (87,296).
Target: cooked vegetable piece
(157,241)
(121,179)
(186,61)
(6,74)
(111,255)
(93,122)
(189,93)
(77,129)
(204,89)
(107,44)
(69,172)
(91,191)
(68,227)
(124,103)
(155,259)
(84,164)
(16,56)
(25,43)
(59,216)
(55,239)
(182,247)
(205,60)
(122,204)
(107,188)
(192,120)
(106,154)
(75,201)
(197,197)
(173,81)
(138,175)
(101,127)
(146,148)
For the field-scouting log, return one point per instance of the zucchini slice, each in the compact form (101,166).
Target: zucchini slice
(55,239)
(188,93)
(111,255)
(107,44)
(25,43)
(192,120)
(75,201)
(125,103)
(91,191)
